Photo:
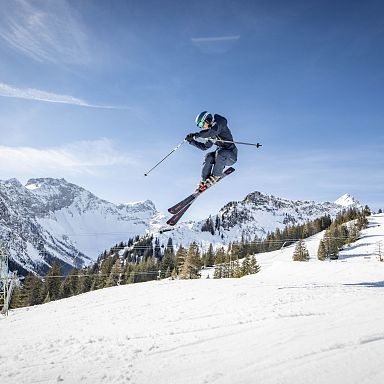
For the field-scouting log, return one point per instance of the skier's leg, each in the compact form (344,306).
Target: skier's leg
(224,157)
(207,165)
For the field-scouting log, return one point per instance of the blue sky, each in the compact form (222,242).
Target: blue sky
(97,92)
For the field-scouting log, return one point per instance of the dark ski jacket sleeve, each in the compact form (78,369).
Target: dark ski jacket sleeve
(202,146)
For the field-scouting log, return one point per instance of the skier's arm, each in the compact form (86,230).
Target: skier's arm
(202,146)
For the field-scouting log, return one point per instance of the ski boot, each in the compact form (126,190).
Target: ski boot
(212,180)
(202,185)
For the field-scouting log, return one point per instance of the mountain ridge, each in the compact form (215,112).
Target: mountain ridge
(52,219)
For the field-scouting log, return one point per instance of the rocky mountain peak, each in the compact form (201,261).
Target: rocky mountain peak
(347,200)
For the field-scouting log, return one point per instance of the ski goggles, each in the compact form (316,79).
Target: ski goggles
(200,124)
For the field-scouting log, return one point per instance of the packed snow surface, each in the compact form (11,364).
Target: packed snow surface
(294,322)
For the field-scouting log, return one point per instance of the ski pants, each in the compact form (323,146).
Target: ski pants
(215,162)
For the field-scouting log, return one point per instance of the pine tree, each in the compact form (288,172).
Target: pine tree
(246,266)
(51,287)
(208,226)
(157,251)
(227,266)
(219,255)
(65,288)
(69,286)
(85,281)
(237,269)
(362,222)
(218,274)
(301,252)
(192,263)
(105,271)
(115,277)
(353,233)
(181,255)
(330,242)
(333,249)
(219,263)
(322,252)
(343,231)
(235,250)
(169,258)
(30,294)
(209,257)
(217,223)
(254,267)
(16,299)
(150,269)
(132,277)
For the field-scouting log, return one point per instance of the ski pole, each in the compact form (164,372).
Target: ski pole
(235,142)
(169,154)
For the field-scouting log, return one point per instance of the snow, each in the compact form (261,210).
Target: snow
(347,200)
(293,322)
(32,186)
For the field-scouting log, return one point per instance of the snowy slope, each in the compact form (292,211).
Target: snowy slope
(317,322)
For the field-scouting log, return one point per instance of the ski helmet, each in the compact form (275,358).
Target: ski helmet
(203,117)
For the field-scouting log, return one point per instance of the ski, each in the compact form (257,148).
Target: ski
(188,200)
(184,205)
(176,217)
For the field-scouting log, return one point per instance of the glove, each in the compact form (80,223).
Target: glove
(190,137)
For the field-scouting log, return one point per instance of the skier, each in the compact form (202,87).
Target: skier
(215,131)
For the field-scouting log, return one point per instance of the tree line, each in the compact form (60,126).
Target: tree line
(344,230)
(144,259)
(140,261)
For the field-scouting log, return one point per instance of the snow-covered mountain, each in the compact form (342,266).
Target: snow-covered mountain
(51,219)
(256,215)
(347,200)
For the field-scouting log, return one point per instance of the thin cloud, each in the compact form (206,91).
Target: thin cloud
(215,39)
(84,157)
(46,31)
(39,95)
(216,44)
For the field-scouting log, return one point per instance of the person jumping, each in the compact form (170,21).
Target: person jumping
(214,130)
